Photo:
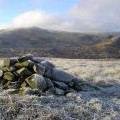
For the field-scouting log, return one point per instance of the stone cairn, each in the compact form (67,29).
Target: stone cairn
(28,75)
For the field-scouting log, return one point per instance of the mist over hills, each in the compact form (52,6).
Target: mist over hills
(50,43)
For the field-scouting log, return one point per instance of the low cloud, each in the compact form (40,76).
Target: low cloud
(97,15)
(40,19)
(85,16)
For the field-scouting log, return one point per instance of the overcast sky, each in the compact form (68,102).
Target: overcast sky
(65,15)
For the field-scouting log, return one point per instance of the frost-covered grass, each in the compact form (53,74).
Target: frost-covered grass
(101,104)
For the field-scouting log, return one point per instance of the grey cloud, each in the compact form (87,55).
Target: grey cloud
(97,15)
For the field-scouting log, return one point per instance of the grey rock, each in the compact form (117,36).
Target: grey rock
(26,57)
(48,73)
(22,64)
(61,76)
(36,81)
(23,72)
(71,83)
(50,92)
(33,92)
(59,92)
(27,74)
(48,68)
(48,65)
(5,84)
(12,69)
(38,60)
(49,83)
(39,69)
(61,85)
(13,61)
(8,76)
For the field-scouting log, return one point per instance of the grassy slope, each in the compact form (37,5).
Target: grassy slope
(103,104)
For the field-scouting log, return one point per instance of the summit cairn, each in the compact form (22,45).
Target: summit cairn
(29,75)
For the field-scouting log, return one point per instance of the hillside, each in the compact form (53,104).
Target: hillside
(108,48)
(54,43)
(40,38)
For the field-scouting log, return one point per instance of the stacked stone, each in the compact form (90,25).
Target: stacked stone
(28,75)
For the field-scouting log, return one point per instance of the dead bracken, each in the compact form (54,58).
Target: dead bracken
(28,75)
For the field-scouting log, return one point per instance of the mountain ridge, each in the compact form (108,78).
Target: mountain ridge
(56,43)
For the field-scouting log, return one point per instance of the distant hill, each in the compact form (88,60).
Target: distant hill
(58,44)
(108,48)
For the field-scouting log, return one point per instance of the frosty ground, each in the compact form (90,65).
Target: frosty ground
(103,104)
